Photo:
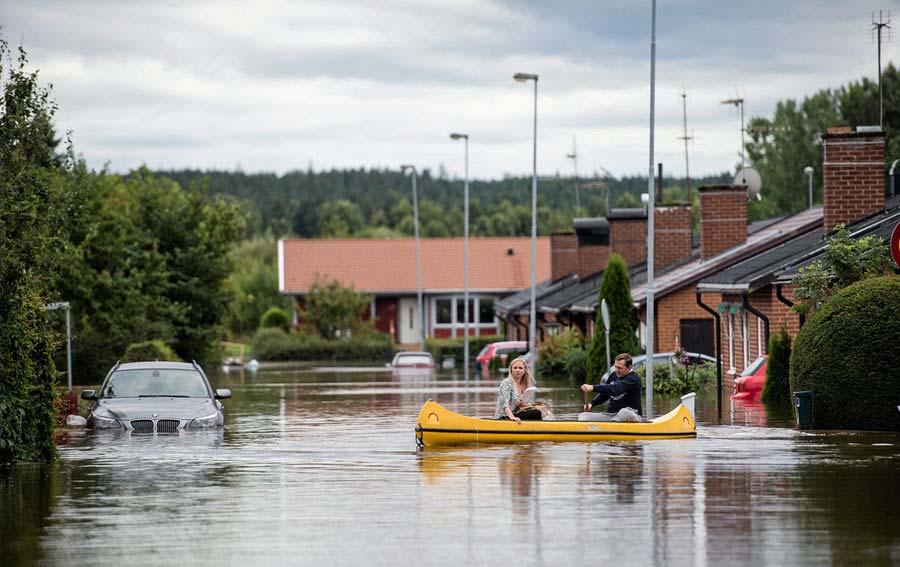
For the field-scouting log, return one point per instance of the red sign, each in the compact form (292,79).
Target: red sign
(895,244)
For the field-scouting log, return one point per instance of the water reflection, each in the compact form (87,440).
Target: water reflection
(311,460)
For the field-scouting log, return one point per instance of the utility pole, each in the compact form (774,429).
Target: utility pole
(739,103)
(574,157)
(877,27)
(685,137)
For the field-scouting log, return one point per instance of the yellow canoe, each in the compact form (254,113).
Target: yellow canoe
(436,425)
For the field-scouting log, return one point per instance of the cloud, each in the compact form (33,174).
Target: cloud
(277,85)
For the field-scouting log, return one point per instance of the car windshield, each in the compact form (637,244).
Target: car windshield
(750,370)
(155,382)
(410,359)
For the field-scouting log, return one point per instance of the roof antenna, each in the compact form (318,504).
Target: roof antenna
(686,138)
(877,28)
(574,157)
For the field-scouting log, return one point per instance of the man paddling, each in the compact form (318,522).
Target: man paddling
(623,390)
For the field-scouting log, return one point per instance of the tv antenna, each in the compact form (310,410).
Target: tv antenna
(574,157)
(738,101)
(686,138)
(877,28)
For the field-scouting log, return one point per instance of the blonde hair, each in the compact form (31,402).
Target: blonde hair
(527,376)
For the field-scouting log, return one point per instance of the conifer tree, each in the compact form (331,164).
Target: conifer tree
(623,322)
(777,391)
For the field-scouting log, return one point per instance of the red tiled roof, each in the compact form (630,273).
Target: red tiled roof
(389,266)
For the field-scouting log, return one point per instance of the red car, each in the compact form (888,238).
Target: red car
(749,385)
(502,350)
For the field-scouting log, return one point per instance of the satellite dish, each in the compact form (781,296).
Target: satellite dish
(749,177)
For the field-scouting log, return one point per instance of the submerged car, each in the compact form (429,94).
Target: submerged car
(503,350)
(749,385)
(162,397)
(412,360)
(660,358)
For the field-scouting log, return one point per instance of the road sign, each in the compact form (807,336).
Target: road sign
(604,312)
(895,244)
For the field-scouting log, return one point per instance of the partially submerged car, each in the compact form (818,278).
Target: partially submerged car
(749,385)
(505,351)
(162,397)
(412,360)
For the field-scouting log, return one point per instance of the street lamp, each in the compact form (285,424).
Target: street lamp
(808,170)
(532,324)
(465,137)
(418,255)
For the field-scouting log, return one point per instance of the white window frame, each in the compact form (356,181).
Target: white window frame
(457,325)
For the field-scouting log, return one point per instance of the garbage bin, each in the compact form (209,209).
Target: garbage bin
(804,409)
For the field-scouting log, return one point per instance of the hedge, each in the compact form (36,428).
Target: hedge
(273,344)
(275,317)
(149,350)
(847,356)
(777,391)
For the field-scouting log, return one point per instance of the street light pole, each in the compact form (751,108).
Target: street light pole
(739,102)
(808,170)
(465,137)
(532,323)
(418,255)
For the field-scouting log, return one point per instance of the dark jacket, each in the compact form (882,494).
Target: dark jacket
(624,392)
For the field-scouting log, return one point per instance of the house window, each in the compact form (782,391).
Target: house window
(461,313)
(486,311)
(697,336)
(444,309)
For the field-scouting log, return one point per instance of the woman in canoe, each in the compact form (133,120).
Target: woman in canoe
(510,403)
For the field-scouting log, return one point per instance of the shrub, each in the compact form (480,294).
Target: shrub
(553,354)
(576,365)
(777,391)
(677,379)
(276,345)
(846,355)
(455,347)
(149,350)
(275,317)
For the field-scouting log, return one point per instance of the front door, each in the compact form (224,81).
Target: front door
(408,318)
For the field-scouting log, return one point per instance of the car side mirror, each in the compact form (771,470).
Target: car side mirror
(223,394)
(88,395)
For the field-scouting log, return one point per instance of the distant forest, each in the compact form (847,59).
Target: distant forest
(378,203)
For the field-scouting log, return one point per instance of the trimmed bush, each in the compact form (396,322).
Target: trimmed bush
(847,356)
(576,365)
(149,350)
(455,347)
(777,391)
(676,379)
(276,345)
(275,317)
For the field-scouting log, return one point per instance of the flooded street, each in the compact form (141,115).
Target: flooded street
(321,468)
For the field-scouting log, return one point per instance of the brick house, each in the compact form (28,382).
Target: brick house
(756,294)
(386,269)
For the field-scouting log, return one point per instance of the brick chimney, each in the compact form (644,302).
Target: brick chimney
(672,235)
(592,238)
(628,234)
(854,174)
(723,218)
(563,255)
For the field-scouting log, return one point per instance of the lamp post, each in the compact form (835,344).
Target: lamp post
(465,137)
(65,305)
(532,324)
(808,170)
(418,255)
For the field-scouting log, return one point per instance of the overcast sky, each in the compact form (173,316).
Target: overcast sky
(275,86)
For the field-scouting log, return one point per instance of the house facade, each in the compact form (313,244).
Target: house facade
(386,270)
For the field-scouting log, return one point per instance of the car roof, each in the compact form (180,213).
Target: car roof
(156,364)
(413,353)
(509,343)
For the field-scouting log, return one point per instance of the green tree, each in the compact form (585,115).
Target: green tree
(845,261)
(254,284)
(777,391)
(628,201)
(275,317)
(333,310)
(32,214)
(339,219)
(623,322)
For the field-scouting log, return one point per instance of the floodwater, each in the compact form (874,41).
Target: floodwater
(320,467)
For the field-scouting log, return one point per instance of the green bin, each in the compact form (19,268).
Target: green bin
(804,409)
